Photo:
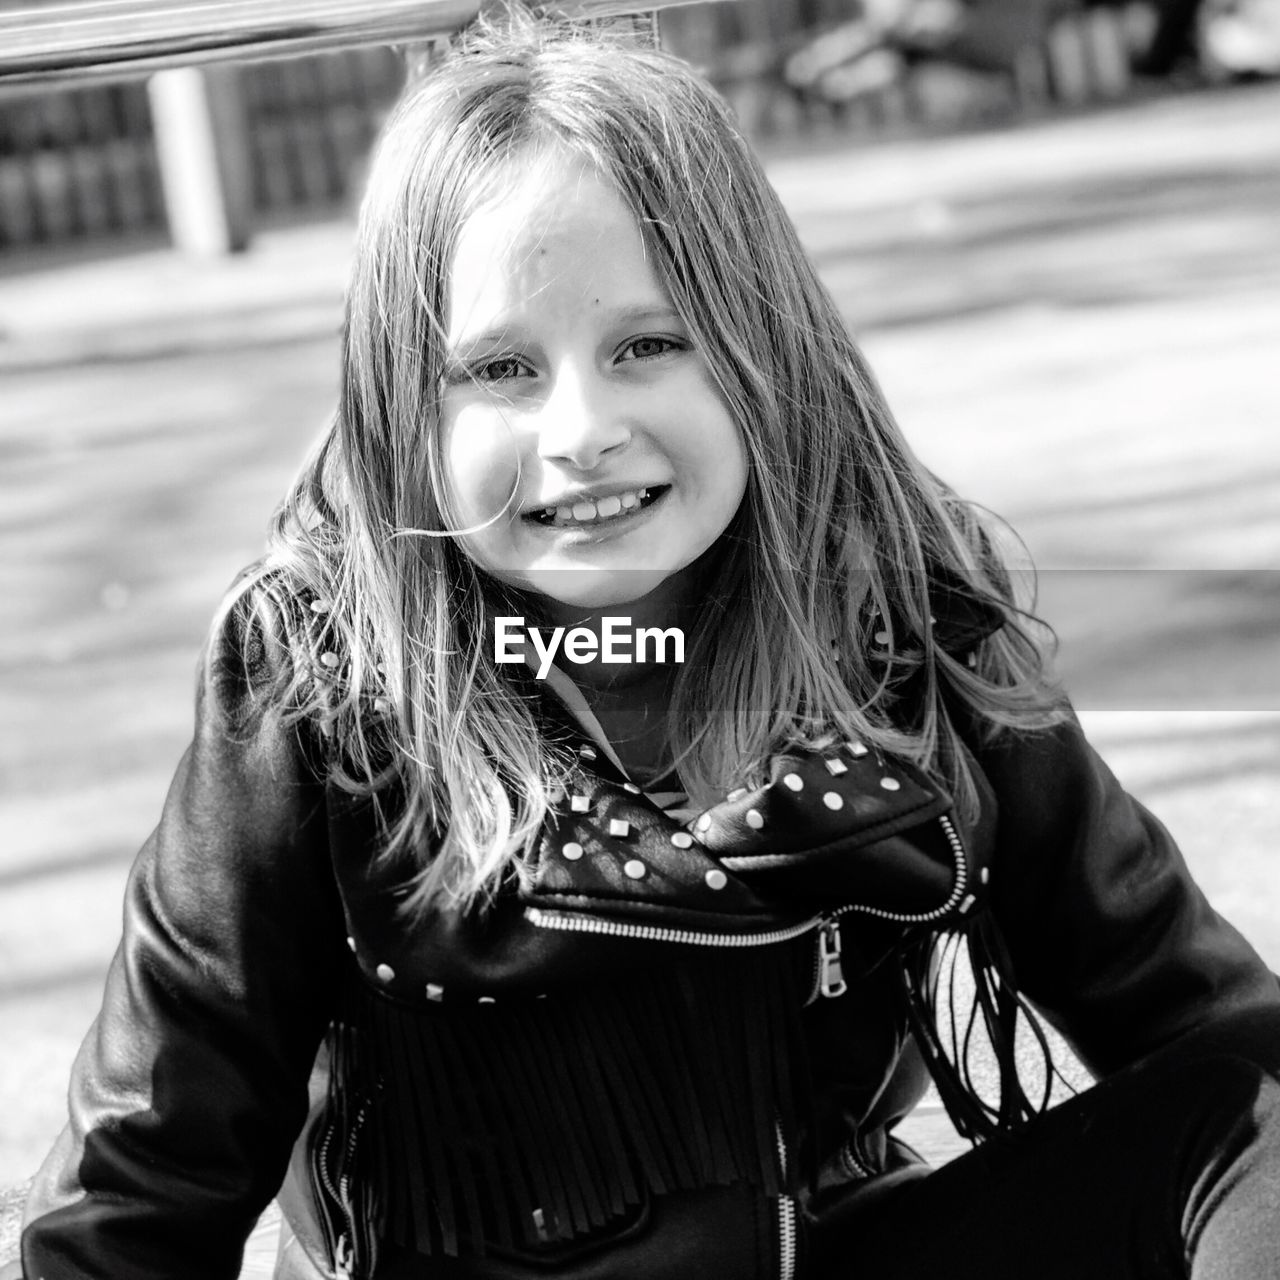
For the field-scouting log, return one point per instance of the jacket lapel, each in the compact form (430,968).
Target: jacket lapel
(831,832)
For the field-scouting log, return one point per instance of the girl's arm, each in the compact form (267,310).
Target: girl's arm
(191,1086)
(1108,933)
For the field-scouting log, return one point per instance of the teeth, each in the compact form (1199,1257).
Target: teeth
(586,511)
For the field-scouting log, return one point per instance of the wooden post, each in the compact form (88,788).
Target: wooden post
(1069,61)
(203,148)
(1108,53)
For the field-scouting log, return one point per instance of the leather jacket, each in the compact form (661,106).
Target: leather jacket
(672,1050)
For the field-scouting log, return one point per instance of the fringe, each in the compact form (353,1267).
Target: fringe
(951,1044)
(531,1120)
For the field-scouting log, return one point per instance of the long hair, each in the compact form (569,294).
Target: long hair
(838,534)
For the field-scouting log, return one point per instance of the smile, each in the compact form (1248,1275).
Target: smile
(588,511)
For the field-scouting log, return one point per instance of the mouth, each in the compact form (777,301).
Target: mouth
(585,512)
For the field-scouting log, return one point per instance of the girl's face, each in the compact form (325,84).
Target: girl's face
(588,453)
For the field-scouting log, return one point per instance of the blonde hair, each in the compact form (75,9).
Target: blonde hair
(840,525)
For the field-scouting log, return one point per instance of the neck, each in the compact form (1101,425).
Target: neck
(651,667)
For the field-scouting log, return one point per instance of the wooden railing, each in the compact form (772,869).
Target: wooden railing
(204,147)
(79,41)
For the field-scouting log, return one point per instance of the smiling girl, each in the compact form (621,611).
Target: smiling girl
(631,971)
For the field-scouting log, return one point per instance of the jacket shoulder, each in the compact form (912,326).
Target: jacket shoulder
(266,649)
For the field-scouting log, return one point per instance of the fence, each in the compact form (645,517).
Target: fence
(78,163)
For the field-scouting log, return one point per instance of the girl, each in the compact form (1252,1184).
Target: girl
(629,968)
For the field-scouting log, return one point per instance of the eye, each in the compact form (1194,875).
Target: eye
(650,346)
(500,369)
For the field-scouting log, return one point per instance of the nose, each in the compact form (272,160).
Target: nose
(581,421)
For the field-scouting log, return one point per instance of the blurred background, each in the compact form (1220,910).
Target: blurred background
(1054,226)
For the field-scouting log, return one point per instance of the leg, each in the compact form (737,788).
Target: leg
(1167,1171)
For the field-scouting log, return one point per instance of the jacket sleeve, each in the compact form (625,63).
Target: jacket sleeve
(191,1085)
(1108,934)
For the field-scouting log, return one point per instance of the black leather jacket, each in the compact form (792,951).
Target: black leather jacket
(647,1062)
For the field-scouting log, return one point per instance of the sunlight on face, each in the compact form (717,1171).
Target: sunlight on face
(589,454)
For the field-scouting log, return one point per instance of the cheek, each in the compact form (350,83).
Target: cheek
(722,465)
(738,467)
(481,465)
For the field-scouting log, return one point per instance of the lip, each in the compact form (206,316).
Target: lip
(602,530)
(596,493)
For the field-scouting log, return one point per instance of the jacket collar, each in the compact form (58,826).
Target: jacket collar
(847,830)
(844,830)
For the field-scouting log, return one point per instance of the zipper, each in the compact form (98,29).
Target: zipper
(545,919)
(344,1187)
(831,981)
(571,923)
(336,1243)
(786,1216)
(855,1160)
(339,1243)
(828,979)
(956,898)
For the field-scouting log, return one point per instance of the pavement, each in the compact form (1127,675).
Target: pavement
(1076,321)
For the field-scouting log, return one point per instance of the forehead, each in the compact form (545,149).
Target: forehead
(551,227)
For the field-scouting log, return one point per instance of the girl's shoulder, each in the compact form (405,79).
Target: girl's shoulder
(270,638)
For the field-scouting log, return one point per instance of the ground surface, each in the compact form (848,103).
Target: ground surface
(1076,321)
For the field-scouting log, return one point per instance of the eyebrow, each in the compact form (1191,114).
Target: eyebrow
(500,336)
(646,311)
(503,334)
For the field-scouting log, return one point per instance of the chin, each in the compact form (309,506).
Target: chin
(594,588)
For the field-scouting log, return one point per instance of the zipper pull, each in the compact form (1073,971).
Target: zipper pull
(342,1259)
(831,982)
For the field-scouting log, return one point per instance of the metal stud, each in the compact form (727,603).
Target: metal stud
(435,991)
(635,869)
(619,827)
(968,902)
(319,606)
(857,749)
(682,839)
(572,851)
(882,637)
(329,659)
(833,800)
(385,973)
(703,822)
(836,767)
(891,784)
(794,781)
(631,786)
(587,752)
(985,875)
(736,794)
(486,1000)
(716,879)
(351,942)
(381,706)
(755,819)
(580,804)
